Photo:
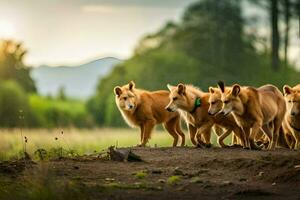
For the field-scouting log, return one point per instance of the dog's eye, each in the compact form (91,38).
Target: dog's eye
(175,98)
(125,98)
(290,101)
(213,102)
(226,102)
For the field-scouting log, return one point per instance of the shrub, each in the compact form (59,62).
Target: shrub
(14,107)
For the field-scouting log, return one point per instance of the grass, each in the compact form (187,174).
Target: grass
(82,141)
(173,180)
(140,175)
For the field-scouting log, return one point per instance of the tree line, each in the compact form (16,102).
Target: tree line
(210,43)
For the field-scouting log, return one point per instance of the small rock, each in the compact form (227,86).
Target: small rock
(109,179)
(156,171)
(161,180)
(274,184)
(196,180)
(159,188)
(76,167)
(177,171)
(261,173)
(242,179)
(227,183)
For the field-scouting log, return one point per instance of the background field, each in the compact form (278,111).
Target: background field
(79,141)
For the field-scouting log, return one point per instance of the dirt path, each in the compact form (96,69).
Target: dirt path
(185,173)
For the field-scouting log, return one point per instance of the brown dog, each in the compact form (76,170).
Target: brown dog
(291,124)
(228,122)
(145,109)
(255,109)
(195,104)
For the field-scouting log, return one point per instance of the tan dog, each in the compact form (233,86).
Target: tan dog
(291,124)
(255,109)
(228,122)
(195,104)
(145,109)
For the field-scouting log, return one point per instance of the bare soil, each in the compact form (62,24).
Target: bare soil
(179,173)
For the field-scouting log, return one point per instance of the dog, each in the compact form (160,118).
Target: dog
(291,124)
(145,109)
(255,109)
(215,106)
(194,106)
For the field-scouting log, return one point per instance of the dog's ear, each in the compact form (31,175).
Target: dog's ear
(131,85)
(181,88)
(221,86)
(170,87)
(211,90)
(118,91)
(236,89)
(287,90)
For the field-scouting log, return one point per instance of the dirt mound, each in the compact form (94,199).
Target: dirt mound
(180,173)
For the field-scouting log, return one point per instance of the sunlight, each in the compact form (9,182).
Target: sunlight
(7,29)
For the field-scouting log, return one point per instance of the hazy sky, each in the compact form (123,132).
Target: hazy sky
(61,32)
(70,31)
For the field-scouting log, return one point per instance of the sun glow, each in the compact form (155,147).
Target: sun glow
(7,29)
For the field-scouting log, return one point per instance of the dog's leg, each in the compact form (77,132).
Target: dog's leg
(268,133)
(222,137)
(290,140)
(142,134)
(297,139)
(171,128)
(255,129)
(218,130)
(246,131)
(148,127)
(205,131)
(192,131)
(179,132)
(240,136)
(235,140)
(277,124)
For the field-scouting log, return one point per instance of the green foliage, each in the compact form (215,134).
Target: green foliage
(54,153)
(209,45)
(58,113)
(12,66)
(173,180)
(13,104)
(62,94)
(140,175)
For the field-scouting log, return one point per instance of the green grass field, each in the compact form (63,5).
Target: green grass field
(81,141)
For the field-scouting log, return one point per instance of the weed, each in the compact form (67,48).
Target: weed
(140,174)
(173,180)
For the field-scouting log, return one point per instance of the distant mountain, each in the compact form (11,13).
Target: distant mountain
(78,81)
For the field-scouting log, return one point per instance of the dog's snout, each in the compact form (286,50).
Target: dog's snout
(210,113)
(293,113)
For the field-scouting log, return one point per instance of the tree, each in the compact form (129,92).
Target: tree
(287,15)
(14,107)
(208,45)
(61,94)
(275,34)
(12,66)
